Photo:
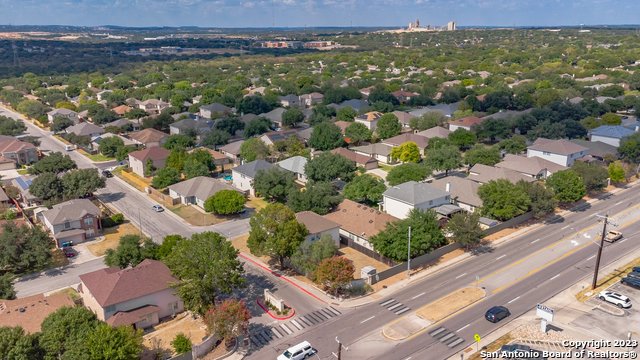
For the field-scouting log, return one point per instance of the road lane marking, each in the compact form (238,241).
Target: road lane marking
(464,327)
(367,319)
(514,299)
(386,302)
(395,306)
(402,311)
(554,277)
(619,202)
(535,241)
(461,275)
(417,296)
(565,227)
(501,256)
(591,257)
(623,240)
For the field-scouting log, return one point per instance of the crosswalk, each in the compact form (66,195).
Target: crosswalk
(446,337)
(261,335)
(395,306)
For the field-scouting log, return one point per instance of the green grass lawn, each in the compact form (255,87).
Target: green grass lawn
(385,167)
(97,157)
(23,171)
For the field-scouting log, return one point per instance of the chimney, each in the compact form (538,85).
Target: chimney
(447,187)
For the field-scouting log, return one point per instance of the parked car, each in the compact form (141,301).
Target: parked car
(613,235)
(616,299)
(631,281)
(157,208)
(635,269)
(69,252)
(496,314)
(107,173)
(66,244)
(634,274)
(298,352)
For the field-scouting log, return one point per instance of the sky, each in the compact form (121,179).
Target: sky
(301,13)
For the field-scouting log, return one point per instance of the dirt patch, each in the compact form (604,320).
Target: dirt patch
(164,333)
(256,203)
(196,217)
(133,179)
(606,281)
(361,260)
(240,243)
(112,238)
(218,351)
(450,304)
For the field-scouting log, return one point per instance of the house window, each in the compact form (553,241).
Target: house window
(88,221)
(546,153)
(174,306)
(67,225)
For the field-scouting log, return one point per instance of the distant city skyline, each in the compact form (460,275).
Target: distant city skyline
(300,13)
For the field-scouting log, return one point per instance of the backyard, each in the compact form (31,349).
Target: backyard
(111,238)
(164,333)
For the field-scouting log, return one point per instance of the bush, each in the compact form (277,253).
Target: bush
(117,219)
(225,202)
(10,215)
(181,343)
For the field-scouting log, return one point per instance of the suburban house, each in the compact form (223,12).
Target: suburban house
(138,159)
(296,165)
(444,109)
(123,124)
(275,116)
(318,226)
(343,125)
(463,192)
(535,167)
(464,123)
(197,190)
(149,137)
(400,199)
(378,151)
(597,149)
(289,100)
(358,223)
(101,95)
(17,151)
(370,119)
(311,99)
(197,126)
(214,110)
(272,137)
(63,113)
(139,296)
(153,106)
(482,174)
(232,150)
(85,129)
(404,118)
(74,220)
(398,140)
(29,312)
(365,161)
(95,142)
(305,134)
(121,110)
(562,152)
(404,96)
(356,104)
(219,159)
(435,132)
(244,174)
(610,134)
(22,183)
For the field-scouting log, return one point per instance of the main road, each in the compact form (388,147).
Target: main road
(520,273)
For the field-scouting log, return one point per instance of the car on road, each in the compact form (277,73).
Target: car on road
(107,173)
(298,352)
(157,208)
(613,235)
(615,298)
(633,282)
(496,314)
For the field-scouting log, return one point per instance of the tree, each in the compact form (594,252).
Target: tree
(135,113)
(253,149)
(465,228)
(480,154)
(106,342)
(253,105)
(594,176)
(168,243)
(178,142)
(257,126)
(543,199)
(292,117)
(513,145)
(24,249)
(274,184)
(103,116)
(388,126)
(47,186)
(228,319)
(365,189)
(334,274)
(60,123)
(319,197)
(275,232)
(567,185)
(616,172)
(326,136)
(503,200)
(64,332)
(406,152)
(7,292)
(492,129)
(215,138)
(110,145)
(357,132)
(32,108)
(225,202)
(165,177)
(194,168)
(429,120)
(611,119)
(15,343)
(181,343)
(11,127)
(346,113)
(53,163)
(329,167)
(630,148)
(445,158)
(207,267)
(425,236)
(131,251)
(462,138)
(309,255)
(149,168)
(81,182)
(230,125)
(407,172)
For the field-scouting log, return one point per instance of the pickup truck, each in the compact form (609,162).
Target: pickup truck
(613,235)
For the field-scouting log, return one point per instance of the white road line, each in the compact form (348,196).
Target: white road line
(417,296)
(564,227)
(464,327)
(591,257)
(623,240)
(409,358)
(535,241)
(461,275)
(619,202)
(514,299)
(501,256)
(367,319)
(554,277)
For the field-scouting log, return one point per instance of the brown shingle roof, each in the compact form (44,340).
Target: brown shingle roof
(11,144)
(461,189)
(112,286)
(154,153)
(398,140)
(468,121)
(314,222)
(359,219)
(148,135)
(528,165)
(481,173)
(357,158)
(71,210)
(35,309)
(121,110)
(435,132)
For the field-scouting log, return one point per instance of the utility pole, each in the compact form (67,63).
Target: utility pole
(140,222)
(339,354)
(409,255)
(600,246)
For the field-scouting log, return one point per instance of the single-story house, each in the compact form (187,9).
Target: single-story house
(95,142)
(85,129)
(530,166)
(272,137)
(464,123)
(311,99)
(17,151)
(275,116)
(343,125)
(562,152)
(121,110)
(197,190)
(482,174)
(244,174)
(214,110)
(198,126)
(435,132)
(370,119)
(356,104)
(404,96)
(74,220)
(232,150)
(304,134)
(463,191)
(445,109)
(123,123)
(400,199)
(378,151)
(404,118)
(139,296)
(153,106)
(149,137)
(29,312)
(138,159)
(318,225)
(296,165)
(398,140)
(23,183)
(63,113)
(610,134)
(365,161)
(598,149)
(289,100)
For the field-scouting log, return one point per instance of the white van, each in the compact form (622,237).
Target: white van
(69,147)
(297,352)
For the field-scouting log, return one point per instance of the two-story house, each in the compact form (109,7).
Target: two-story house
(74,220)
(18,151)
(400,199)
(370,119)
(296,165)
(63,113)
(138,159)
(243,175)
(562,152)
(153,106)
(214,110)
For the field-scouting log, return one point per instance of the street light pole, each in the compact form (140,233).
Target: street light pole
(595,271)
(409,255)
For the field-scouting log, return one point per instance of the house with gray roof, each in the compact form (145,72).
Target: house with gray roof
(482,174)
(214,110)
(272,137)
(232,150)
(198,126)
(462,191)
(356,104)
(598,149)
(562,152)
(63,113)
(85,129)
(289,100)
(378,151)
(445,109)
(125,124)
(610,134)
(535,167)
(399,200)
(296,165)
(72,221)
(243,175)
(197,190)
(275,116)
(435,132)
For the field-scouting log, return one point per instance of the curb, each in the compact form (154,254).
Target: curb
(293,312)
(231,352)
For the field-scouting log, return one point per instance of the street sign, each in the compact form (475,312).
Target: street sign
(476,337)
(544,312)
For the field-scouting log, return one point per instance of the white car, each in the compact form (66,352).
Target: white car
(616,299)
(298,352)
(157,208)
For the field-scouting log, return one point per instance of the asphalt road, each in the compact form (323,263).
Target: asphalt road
(54,279)
(360,328)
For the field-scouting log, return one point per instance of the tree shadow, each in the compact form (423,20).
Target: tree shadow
(111,197)
(254,289)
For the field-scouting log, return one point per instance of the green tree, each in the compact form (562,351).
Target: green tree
(131,251)
(165,177)
(60,123)
(149,169)
(215,137)
(168,243)
(64,333)
(207,267)
(427,121)
(334,274)
(253,149)
(24,249)
(176,159)
(365,189)
(110,145)
(11,127)
(178,142)
(425,236)
(326,136)
(513,145)
(228,319)
(15,343)
(503,200)
(135,113)
(32,108)
(629,148)
(257,126)
(567,185)
(225,202)
(407,172)
(193,168)
(253,105)
(81,182)
(462,138)
(292,117)
(7,292)
(616,172)
(611,119)
(492,129)
(275,232)
(309,255)
(53,163)
(103,116)
(47,186)
(329,167)
(465,228)
(346,113)
(181,343)
(357,132)
(230,125)
(480,154)
(274,184)
(443,159)
(543,199)
(388,126)
(114,343)
(406,152)
(593,175)
(319,197)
